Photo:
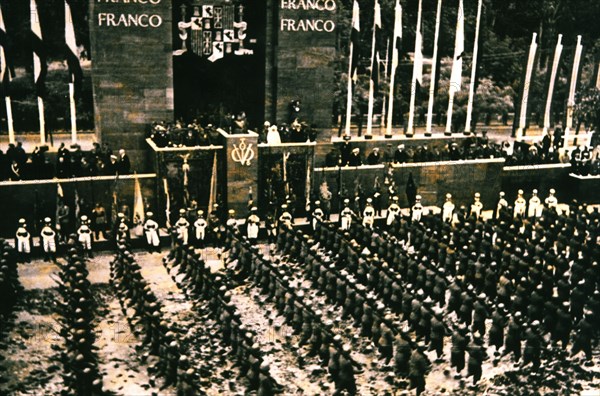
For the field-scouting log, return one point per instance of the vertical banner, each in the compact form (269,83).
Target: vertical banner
(553,73)
(526,85)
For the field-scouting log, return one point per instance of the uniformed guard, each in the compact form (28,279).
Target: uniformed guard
(369,214)
(48,237)
(200,229)
(417,368)
(535,205)
(417,209)
(252,225)
(551,202)
(231,220)
(285,218)
(520,205)
(501,205)
(346,216)
(23,239)
(448,209)
(182,226)
(393,211)
(317,215)
(85,235)
(476,206)
(151,232)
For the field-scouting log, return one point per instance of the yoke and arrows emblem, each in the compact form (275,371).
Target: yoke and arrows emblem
(243,154)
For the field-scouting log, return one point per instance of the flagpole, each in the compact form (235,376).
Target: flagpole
(73,114)
(456,77)
(527,82)
(395,56)
(438,18)
(355,13)
(557,54)
(42,121)
(473,71)
(9,117)
(369,133)
(571,101)
(418,63)
(385,75)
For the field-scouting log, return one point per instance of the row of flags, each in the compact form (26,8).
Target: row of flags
(417,75)
(40,66)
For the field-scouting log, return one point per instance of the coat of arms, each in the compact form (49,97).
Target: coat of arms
(214,30)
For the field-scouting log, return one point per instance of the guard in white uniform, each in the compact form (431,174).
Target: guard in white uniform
(535,205)
(476,206)
(231,221)
(393,211)
(48,237)
(551,201)
(448,209)
(253,224)
(23,241)
(317,215)
(369,214)
(286,217)
(417,209)
(84,233)
(151,232)
(200,227)
(346,216)
(182,227)
(520,205)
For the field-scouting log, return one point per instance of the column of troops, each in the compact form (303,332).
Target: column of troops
(529,270)
(202,285)
(76,307)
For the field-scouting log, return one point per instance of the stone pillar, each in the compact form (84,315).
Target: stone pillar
(132,71)
(241,170)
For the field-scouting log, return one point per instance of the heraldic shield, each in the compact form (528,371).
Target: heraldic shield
(213,31)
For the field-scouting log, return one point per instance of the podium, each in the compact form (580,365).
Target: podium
(241,170)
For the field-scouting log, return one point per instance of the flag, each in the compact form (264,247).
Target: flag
(376,37)
(397,41)
(5,72)
(167,203)
(115,205)
(77,207)
(138,202)
(40,68)
(59,191)
(418,61)
(355,40)
(459,49)
(71,50)
(212,197)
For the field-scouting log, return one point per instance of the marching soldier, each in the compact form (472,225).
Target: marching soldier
(476,357)
(253,224)
(448,209)
(393,211)
(417,209)
(23,241)
(85,235)
(476,206)
(200,229)
(181,226)
(459,347)
(346,216)
(151,232)
(520,205)
(417,368)
(48,237)
(369,214)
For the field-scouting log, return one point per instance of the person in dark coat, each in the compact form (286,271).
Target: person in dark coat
(418,367)
(476,357)
(123,165)
(411,190)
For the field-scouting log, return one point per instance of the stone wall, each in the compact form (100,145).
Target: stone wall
(132,70)
(304,55)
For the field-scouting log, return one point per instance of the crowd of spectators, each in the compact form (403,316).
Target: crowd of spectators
(468,149)
(16,164)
